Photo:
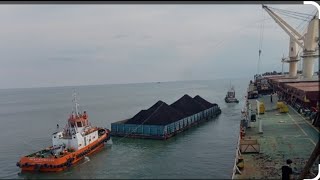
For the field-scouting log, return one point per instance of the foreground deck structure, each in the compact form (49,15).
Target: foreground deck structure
(278,136)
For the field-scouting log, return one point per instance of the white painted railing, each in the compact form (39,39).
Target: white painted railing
(235,167)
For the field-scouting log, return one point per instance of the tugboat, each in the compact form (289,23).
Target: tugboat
(77,140)
(230,97)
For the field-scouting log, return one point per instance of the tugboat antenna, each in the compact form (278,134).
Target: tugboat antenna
(75,102)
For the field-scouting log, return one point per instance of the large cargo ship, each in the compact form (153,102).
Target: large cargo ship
(280,119)
(162,121)
(77,140)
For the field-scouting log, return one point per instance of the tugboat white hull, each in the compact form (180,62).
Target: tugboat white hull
(233,100)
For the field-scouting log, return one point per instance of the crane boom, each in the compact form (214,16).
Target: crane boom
(285,26)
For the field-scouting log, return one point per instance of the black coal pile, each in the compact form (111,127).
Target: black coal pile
(162,114)
(203,102)
(187,105)
(144,114)
(159,114)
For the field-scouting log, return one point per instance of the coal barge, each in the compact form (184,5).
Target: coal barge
(162,121)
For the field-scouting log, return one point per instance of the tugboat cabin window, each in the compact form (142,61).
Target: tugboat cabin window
(79,124)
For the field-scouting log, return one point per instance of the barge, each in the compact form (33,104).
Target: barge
(162,121)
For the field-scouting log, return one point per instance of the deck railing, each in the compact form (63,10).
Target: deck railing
(235,169)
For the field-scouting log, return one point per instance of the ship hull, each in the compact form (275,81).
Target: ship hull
(64,162)
(228,100)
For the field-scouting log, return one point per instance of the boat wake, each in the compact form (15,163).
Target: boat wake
(87,159)
(109,142)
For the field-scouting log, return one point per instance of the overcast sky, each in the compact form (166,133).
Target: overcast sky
(62,45)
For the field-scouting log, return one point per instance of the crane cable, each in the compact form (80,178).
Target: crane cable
(292,12)
(294,17)
(260,41)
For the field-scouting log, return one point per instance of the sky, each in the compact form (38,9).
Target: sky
(66,45)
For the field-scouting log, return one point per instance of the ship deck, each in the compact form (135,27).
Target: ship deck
(284,136)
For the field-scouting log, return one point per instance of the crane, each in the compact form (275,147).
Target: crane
(309,42)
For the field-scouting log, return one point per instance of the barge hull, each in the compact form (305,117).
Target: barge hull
(161,132)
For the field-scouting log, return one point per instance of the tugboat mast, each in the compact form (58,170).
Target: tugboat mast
(75,108)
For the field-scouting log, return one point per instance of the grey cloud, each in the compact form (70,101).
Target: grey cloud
(133,43)
(146,37)
(65,59)
(120,36)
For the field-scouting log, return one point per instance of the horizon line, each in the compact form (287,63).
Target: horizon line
(102,84)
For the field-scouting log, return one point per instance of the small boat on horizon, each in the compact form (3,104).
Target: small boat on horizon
(231,96)
(77,140)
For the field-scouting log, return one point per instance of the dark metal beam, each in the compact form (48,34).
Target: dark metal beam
(310,162)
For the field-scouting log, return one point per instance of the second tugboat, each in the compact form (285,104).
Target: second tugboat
(77,140)
(231,96)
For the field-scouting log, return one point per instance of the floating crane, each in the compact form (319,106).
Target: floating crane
(309,42)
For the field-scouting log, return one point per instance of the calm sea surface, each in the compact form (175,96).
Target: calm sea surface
(28,117)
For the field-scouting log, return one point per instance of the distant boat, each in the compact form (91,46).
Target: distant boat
(231,96)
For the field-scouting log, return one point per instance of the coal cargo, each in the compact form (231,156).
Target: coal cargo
(159,114)
(188,106)
(206,103)
(202,101)
(162,121)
